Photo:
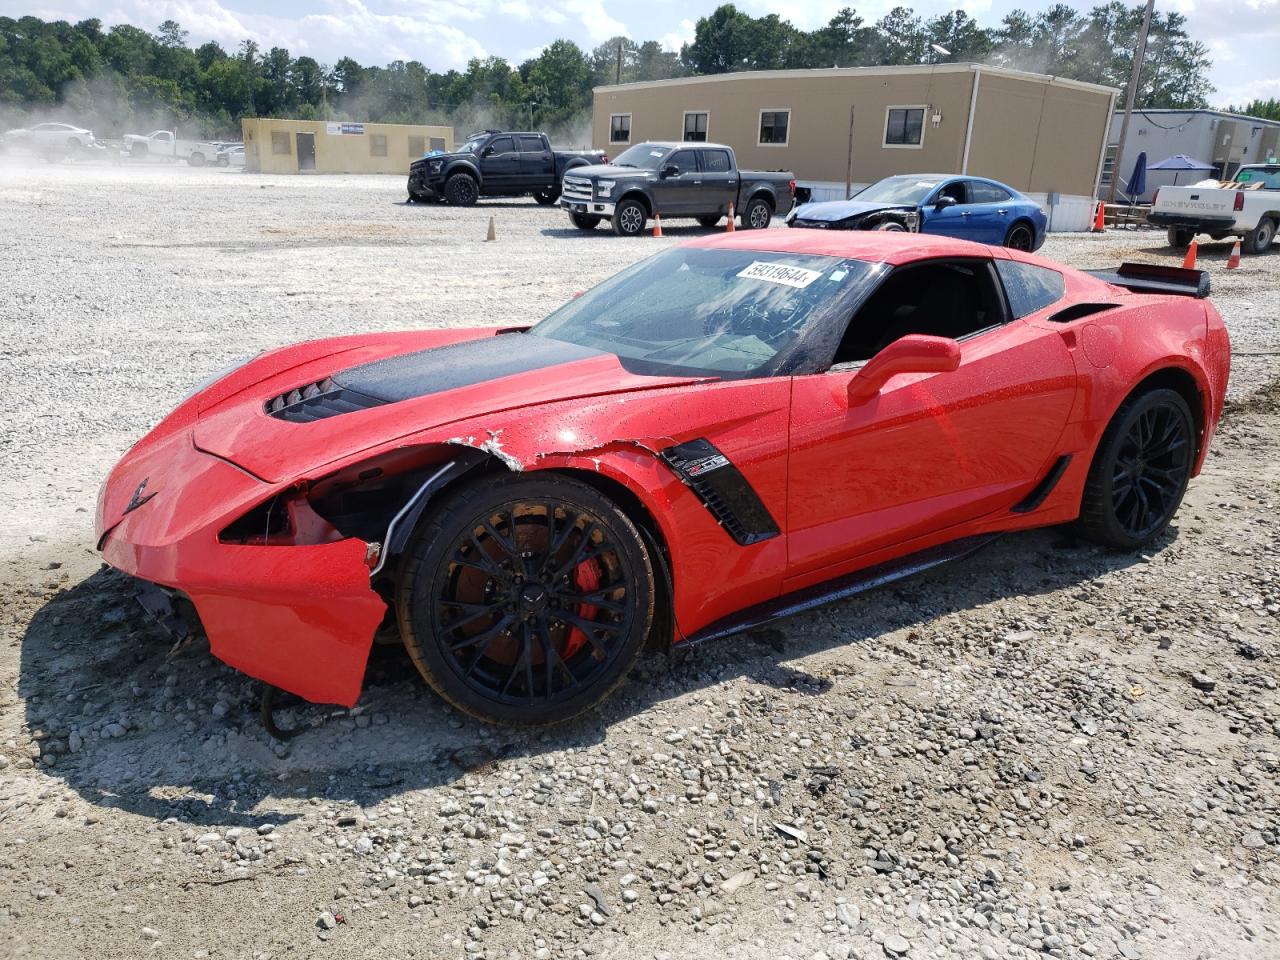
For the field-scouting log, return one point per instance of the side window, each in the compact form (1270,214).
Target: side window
(685,160)
(942,299)
(982,192)
(502,145)
(531,145)
(715,161)
(955,189)
(1029,287)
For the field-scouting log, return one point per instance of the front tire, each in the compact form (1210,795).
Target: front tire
(584,221)
(1258,240)
(629,218)
(758,214)
(1180,237)
(461,191)
(525,600)
(1140,471)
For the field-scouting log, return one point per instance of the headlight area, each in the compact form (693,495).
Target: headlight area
(378,501)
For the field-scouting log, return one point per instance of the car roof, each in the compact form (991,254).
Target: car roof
(873,246)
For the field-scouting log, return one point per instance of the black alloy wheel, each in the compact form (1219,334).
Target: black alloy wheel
(526,600)
(1020,237)
(461,190)
(1141,470)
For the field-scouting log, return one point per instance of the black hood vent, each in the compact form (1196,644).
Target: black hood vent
(424,372)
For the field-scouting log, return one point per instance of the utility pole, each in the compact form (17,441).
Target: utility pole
(848,166)
(1138,54)
(618,76)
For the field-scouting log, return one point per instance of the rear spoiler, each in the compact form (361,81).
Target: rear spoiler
(1157,278)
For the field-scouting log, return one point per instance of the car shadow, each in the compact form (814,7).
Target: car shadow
(528,204)
(682,231)
(129,719)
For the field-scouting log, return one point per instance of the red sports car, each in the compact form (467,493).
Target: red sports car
(735,429)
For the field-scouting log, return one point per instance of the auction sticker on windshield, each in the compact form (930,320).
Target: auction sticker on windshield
(797,277)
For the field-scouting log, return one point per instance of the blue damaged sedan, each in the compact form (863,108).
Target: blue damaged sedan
(968,208)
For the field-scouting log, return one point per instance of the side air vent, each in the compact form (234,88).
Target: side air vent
(723,489)
(317,401)
(1078,311)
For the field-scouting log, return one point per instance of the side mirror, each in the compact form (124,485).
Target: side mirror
(943,202)
(487,152)
(914,353)
(670,170)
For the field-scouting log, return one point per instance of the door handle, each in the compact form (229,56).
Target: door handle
(964,213)
(1002,212)
(697,181)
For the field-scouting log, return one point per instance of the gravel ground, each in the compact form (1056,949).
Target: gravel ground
(1051,750)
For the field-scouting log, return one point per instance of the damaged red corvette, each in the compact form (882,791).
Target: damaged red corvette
(732,430)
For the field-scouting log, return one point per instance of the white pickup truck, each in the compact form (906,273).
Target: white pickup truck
(1247,207)
(165,145)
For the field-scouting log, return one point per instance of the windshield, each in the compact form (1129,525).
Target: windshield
(1269,177)
(706,311)
(899,190)
(475,143)
(644,156)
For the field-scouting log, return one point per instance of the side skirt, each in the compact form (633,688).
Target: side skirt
(840,588)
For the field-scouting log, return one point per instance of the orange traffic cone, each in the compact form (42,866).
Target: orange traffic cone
(657,225)
(1100,221)
(729,227)
(1189,262)
(1233,261)
(493,230)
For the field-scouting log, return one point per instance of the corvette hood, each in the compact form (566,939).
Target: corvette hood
(834,210)
(292,423)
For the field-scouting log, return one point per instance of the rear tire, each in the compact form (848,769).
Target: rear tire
(1259,239)
(758,214)
(708,222)
(196,159)
(547,197)
(1020,237)
(1180,238)
(461,191)
(584,221)
(524,599)
(1140,471)
(138,151)
(629,218)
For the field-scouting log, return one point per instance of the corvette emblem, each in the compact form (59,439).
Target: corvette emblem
(138,499)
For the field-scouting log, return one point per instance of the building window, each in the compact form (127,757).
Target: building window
(280,142)
(417,146)
(620,128)
(378,145)
(695,125)
(904,127)
(774,127)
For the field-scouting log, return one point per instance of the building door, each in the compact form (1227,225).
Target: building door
(306,151)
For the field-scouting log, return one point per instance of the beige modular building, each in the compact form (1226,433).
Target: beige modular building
(843,128)
(329,146)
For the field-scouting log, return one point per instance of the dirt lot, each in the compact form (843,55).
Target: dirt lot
(1051,749)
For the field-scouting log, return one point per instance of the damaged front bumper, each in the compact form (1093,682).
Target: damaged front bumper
(300,617)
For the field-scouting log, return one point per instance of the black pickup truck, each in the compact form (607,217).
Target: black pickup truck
(496,163)
(672,180)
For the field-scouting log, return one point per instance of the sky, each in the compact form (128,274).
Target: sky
(1243,35)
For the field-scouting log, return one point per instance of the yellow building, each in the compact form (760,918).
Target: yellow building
(329,146)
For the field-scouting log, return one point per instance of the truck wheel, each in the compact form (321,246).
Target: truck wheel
(1180,238)
(708,222)
(584,221)
(629,218)
(1258,240)
(196,159)
(461,191)
(526,599)
(757,215)
(1020,237)
(548,196)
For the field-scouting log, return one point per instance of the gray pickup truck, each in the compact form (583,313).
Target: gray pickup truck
(672,180)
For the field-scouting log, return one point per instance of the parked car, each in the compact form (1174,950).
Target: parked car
(674,180)
(231,155)
(165,145)
(1247,207)
(735,429)
(496,163)
(967,208)
(48,138)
